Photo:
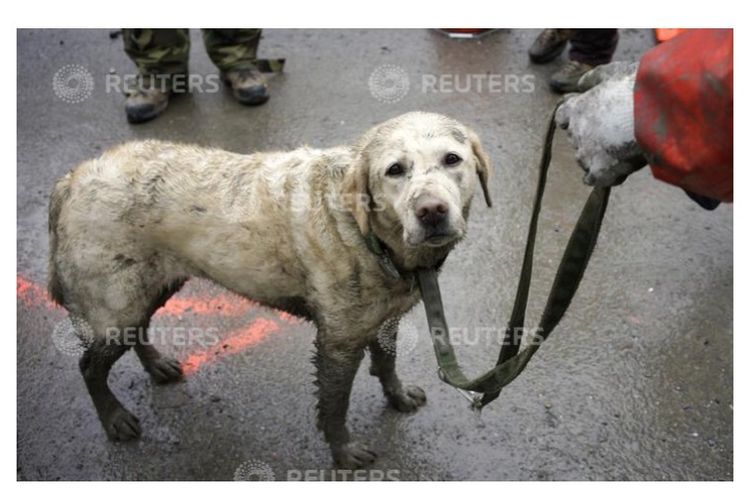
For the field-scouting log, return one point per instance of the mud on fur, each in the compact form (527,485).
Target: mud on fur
(286,229)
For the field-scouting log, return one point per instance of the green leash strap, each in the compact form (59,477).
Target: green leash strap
(569,274)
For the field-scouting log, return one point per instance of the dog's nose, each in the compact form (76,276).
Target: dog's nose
(431,212)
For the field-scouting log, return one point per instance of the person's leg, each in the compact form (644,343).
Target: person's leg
(234,52)
(588,48)
(158,51)
(159,54)
(549,44)
(593,47)
(232,48)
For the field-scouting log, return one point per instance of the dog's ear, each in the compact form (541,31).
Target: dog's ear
(355,195)
(483,165)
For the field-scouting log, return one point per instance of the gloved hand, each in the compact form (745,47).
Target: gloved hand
(600,124)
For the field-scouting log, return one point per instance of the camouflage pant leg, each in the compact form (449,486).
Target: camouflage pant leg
(158,51)
(232,48)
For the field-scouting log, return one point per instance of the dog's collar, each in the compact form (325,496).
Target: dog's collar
(383,253)
(389,267)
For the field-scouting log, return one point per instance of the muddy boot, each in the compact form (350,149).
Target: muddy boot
(248,85)
(566,79)
(549,44)
(144,104)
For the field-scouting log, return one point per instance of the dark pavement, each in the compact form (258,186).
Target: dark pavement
(636,384)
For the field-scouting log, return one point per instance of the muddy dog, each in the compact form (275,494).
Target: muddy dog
(287,229)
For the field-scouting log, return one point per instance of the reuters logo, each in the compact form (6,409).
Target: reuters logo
(404,341)
(73,83)
(72,336)
(388,83)
(254,470)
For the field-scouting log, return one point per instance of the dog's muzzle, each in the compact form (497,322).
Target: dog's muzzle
(433,215)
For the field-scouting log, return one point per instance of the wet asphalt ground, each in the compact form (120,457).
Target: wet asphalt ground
(636,383)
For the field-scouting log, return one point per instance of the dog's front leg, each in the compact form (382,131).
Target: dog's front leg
(336,368)
(383,355)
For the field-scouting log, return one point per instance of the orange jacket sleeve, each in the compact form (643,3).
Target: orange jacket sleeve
(684,110)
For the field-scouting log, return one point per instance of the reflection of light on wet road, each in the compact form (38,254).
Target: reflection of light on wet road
(32,294)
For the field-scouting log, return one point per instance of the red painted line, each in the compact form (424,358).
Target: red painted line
(237,341)
(32,294)
(225,305)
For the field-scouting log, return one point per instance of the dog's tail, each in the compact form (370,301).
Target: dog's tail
(60,195)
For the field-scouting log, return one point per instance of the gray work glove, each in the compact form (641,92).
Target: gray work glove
(600,124)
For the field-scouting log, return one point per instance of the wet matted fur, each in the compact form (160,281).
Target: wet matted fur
(287,229)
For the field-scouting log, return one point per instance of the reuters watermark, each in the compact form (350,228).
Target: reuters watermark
(72,336)
(404,337)
(258,470)
(254,470)
(180,336)
(343,475)
(176,84)
(493,335)
(390,83)
(300,201)
(478,83)
(75,84)
(398,336)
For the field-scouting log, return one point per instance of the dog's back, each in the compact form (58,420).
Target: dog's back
(180,210)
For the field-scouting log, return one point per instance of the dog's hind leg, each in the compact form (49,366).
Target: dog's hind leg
(163,369)
(101,353)
(383,356)
(117,312)
(112,334)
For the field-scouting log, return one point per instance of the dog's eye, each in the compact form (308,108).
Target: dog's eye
(395,169)
(451,159)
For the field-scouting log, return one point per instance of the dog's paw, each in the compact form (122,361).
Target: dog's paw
(353,456)
(121,425)
(408,399)
(164,370)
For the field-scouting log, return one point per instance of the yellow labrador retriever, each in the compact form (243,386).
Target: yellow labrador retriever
(288,229)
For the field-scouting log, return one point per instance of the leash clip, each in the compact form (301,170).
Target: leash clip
(387,265)
(474,399)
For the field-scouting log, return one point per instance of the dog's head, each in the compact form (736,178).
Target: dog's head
(414,178)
